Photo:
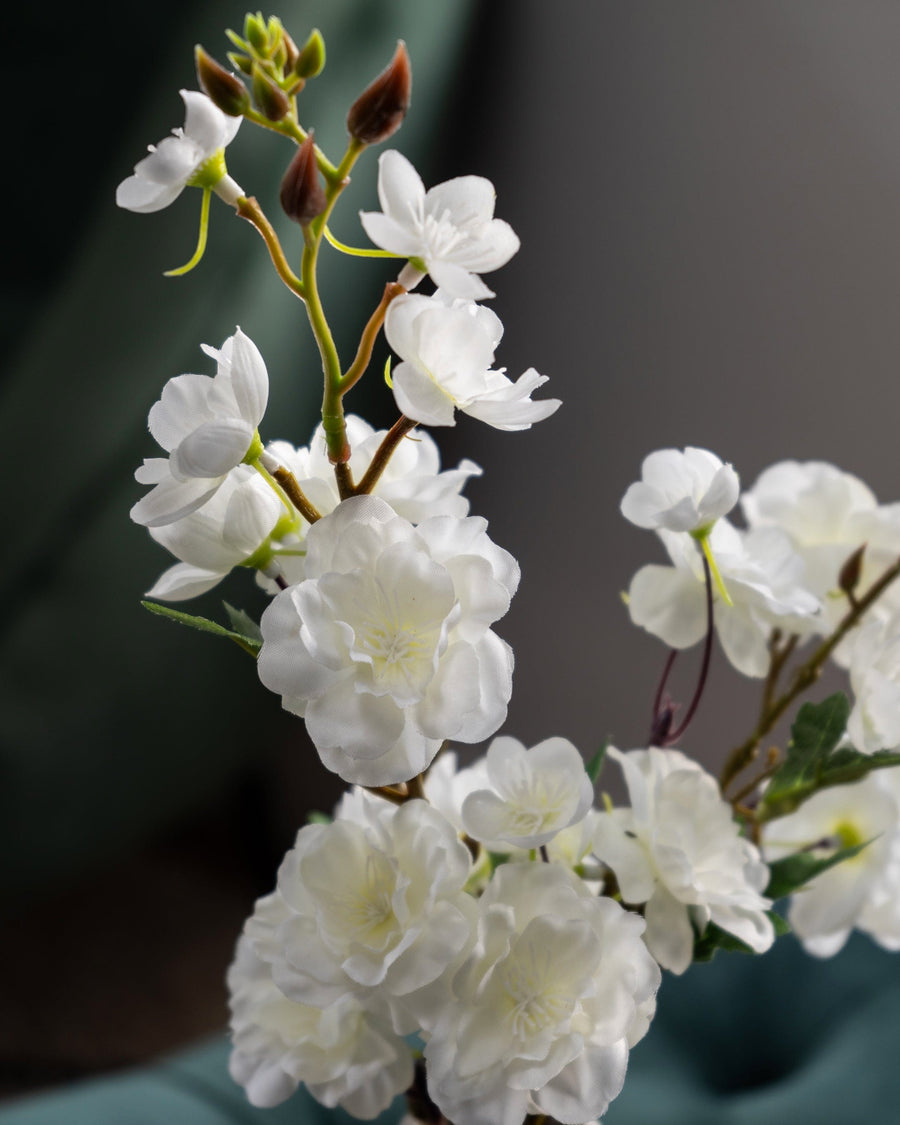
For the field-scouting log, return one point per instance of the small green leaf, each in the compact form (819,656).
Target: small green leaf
(248,644)
(713,939)
(813,763)
(794,871)
(316,817)
(243,623)
(595,765)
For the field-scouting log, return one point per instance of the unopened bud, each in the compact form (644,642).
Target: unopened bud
(241,63)
(222,87)
(311,60)
(851,571)
(271,100)
(291,50)
(302,194)
(255,32)
(379,110)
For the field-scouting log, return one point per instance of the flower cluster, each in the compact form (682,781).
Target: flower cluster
(497,911)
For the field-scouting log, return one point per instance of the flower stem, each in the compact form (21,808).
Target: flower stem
(285,484)
(248,208)
(803,679)
(675,735)
(201,239)
(370,333)
(383,454)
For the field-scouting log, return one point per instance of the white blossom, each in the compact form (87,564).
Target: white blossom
(679,850)
(386,648)
(375,908)
(765,580)
(447,350)
(681,491)
(556,989)
(874,659)
(412,482)
(192,154)
(533,794)
(450,229)
(860,893)
(345,1054)
(828,514)
(207,425)
(233,528)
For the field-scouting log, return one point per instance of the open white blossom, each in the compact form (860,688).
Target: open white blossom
(681,491)
(860,893)
(412,482)
(765,580)
(447,350)
(344,1053)
(233,528)
(533,793)
(192,156)
(874,658)
(556,989)
(828,514)
(450,229)
(376,909)
(679,850)
(386,648)
(207,425)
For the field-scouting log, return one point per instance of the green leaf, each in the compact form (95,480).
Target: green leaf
(248,644)
(812,762)
(595,765)
(243,623)
(316,817)
(794,871)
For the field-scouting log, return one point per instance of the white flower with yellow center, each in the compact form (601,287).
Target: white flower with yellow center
(386,648)
(534,793)
(344,1053)
(679,850)
(556,989)
(862,892)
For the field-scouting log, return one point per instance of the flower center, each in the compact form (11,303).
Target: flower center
(210,172)
(534,1004)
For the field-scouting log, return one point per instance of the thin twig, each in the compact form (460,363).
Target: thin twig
(363,356)
(804,677)
(383,454)
(704,667)
(248,208)
(295,494)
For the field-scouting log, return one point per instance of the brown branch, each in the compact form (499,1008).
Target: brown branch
(295,494)
(248,208)
(383,454)
(804,678)
(363,357)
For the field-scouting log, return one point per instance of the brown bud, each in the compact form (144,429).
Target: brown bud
(851,571)
(270,99)
(223,88)
(302,194)
(379,110)
(292,52)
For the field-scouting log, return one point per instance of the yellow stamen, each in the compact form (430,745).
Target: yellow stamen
(719,584)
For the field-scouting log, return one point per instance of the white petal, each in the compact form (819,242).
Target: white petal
(143,196)
(400,188)
(183,581)
(457,281)
(249,379)
(390,235)
(669,934)
(182,406)
(171,500)
(212,449)
(419,397)
(585,1087)
(205,123)
(669,603)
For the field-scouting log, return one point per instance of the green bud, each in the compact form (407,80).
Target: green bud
(241,63)
(255,32)
(270,99)
(379,110)
(223,88)
(311,60)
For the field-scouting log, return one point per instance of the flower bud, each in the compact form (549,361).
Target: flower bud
(222,87)
(241,63)
(851,571)
(379,110)
(270,99)
(302,194)
(291,50)
(311,60)
(255,32)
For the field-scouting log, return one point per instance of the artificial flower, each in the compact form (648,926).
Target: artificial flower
(207,425)
(681,491)
(446,349)
(450,229)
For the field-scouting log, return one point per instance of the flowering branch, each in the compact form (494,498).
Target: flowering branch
(804,678)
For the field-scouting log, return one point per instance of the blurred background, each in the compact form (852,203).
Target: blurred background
(708,197)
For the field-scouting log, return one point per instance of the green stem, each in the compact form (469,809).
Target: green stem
(332,406)
(248,208)
(288,127)
(804,678)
